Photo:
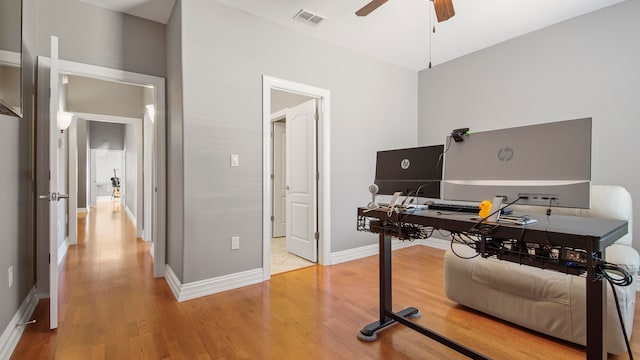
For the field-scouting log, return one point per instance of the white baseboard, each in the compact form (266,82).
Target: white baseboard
(130,215)
(62,250)
(82,210)
(197,289)
(368,250)
(134,221)
(11,335)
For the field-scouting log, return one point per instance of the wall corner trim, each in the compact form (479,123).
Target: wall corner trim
(11,335)
(184,292)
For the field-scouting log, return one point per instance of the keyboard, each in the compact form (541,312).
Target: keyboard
(472,209)
(462,208)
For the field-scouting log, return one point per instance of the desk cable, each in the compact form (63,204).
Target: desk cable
(622,277)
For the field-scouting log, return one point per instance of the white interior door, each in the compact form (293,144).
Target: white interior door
(279,175)
(301,181)
(47,181)
(54,193)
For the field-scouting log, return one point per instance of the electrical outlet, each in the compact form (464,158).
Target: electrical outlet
(235,242)
(11,276)
(235,160)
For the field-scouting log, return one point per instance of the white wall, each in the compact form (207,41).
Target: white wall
(225,53)
(584,67)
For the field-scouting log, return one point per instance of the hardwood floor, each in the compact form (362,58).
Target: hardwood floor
(112,308)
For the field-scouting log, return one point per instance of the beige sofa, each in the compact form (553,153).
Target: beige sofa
(547,301)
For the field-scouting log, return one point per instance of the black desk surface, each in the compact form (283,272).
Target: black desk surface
(572,231)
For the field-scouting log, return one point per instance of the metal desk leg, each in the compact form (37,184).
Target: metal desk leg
(596,312)
(368,333)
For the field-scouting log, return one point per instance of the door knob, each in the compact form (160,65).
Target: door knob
(53,196)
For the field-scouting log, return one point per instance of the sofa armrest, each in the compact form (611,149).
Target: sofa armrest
(625,256)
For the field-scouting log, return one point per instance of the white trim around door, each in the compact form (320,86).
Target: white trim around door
(324,160)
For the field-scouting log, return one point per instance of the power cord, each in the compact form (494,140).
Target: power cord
(623,278)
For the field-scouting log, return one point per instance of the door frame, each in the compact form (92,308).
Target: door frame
(159,169)
(276,118)
(324,161)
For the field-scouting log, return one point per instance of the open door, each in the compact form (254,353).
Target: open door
(47,181)
(301,181)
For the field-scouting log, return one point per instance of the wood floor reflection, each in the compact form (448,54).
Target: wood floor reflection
(112,308)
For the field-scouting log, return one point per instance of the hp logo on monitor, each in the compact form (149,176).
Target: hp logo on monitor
(405,163)
(505,154)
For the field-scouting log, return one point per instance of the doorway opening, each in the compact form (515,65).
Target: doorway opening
(150,127)
(296,178)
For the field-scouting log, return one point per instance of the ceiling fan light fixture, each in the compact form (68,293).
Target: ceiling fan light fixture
(444,9)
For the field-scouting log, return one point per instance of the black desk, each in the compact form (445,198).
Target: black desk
(590,234)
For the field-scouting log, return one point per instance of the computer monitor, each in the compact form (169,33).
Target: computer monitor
(413,171)
(546,164)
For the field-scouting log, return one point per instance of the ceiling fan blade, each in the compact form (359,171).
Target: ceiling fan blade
(370,7)
(444,9)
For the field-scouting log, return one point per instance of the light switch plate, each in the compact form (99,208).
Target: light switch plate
(10,276)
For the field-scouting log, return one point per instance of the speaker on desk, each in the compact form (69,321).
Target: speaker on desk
(373,189)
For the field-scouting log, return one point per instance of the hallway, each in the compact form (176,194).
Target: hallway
(106,290)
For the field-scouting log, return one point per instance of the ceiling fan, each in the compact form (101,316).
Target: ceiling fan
(444,8)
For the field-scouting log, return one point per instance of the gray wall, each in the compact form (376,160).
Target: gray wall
(94,35)
(10,25)
(10,85)
(282,100)
(88,95)
(83,151)
(10,298)
(17,222)
(584,67)
(175,171)
(106,136)
(225,53)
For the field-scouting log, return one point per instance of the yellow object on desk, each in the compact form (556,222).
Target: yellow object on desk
(485,209)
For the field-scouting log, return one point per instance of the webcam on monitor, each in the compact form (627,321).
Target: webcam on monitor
(458,134)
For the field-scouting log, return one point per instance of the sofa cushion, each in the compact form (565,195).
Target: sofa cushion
(522,280)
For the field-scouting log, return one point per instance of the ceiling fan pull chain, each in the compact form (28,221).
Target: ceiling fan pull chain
(431,25)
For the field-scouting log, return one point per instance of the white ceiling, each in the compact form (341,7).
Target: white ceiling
(398,31)
(156,10)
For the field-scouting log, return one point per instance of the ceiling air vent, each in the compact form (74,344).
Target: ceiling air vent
(308,17)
